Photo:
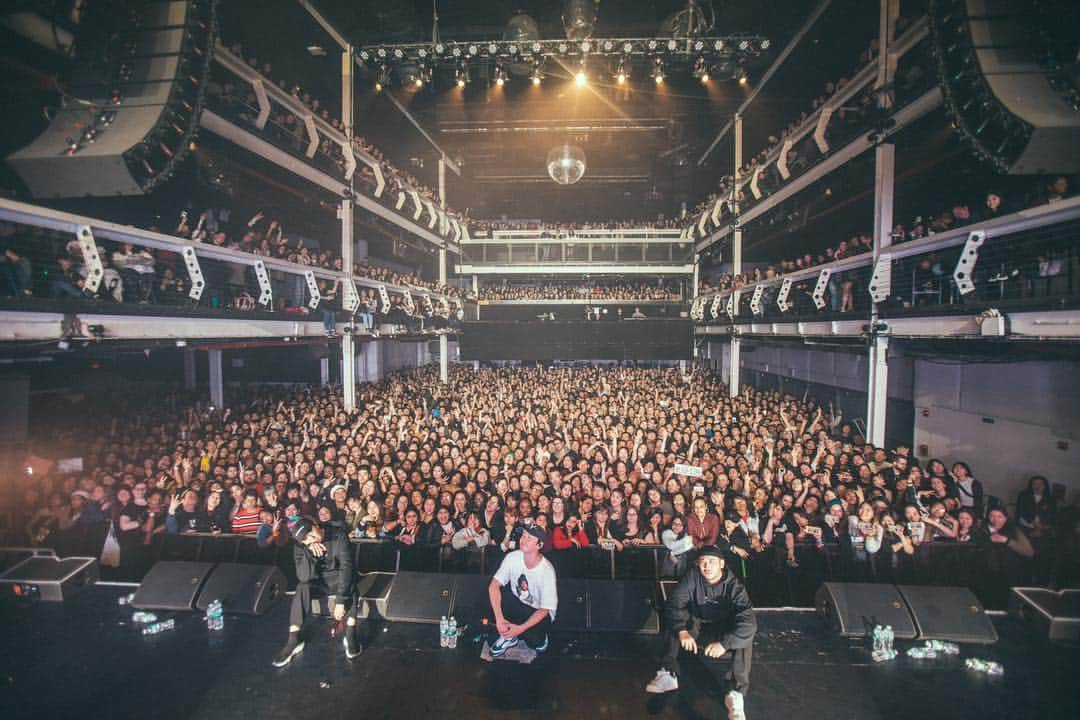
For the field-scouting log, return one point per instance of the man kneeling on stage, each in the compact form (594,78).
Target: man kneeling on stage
(523,595)
(323,559)
(709,611)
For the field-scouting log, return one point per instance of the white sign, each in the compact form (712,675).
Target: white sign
(687,470)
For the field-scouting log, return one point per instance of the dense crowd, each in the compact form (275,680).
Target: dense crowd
(481,228)
(238,100)
(931,273)
(577,290)
(591,456)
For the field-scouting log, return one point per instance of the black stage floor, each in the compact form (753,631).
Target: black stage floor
(86,660)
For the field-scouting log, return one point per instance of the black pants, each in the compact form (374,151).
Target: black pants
(518,612)
(301,602)
(738,678)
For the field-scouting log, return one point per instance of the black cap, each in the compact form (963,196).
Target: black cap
(537,532)
(300,529)
(712,550)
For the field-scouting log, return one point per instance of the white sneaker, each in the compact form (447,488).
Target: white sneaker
(733,701)
(663,682)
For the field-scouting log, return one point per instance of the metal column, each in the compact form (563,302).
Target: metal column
(348,347)
(736,269)
(189,369)
(877,392)
(324,371)
(217,387)
(444,345)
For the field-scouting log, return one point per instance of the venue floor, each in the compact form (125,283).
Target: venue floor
(86,659)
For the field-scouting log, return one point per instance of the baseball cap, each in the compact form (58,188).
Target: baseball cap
(300,529)
(537,532)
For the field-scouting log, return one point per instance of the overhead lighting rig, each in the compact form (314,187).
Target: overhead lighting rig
(713,57)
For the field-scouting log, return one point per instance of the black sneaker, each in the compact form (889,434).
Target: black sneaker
(292,648)
(353,647)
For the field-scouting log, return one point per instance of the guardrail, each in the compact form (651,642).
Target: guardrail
(1025,259)
(769,579)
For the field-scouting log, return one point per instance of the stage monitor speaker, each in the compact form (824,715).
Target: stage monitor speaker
(12,556)
(1053,614)
(948,613)
(470,601)
(623,606)
(242,588)
(50,578)
(420,597)
(172,586)
(854,608)
(573,612)
(132,105)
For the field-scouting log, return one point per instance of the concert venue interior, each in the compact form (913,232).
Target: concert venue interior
(674,359)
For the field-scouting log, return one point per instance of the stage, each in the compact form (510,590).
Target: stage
(87,659)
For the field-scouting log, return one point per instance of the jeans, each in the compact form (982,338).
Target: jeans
(301,602)
(704,633)
(518,612)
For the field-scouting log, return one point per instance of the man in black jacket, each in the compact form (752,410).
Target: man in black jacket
(323,557)
(709,611)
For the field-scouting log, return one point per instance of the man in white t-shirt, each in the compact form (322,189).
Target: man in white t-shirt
(523,595)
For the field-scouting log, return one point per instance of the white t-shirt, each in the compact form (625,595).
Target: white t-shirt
(535,587)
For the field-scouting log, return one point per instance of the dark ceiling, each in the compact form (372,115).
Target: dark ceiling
(641,142)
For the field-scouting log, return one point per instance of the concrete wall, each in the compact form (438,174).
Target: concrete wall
(1007,420)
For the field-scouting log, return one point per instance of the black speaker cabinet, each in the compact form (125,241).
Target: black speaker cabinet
(948,613)
(172,586)
(623,606)
(242,588)
(573,612)
(420,597)
(50,578)
(470,602)
(852,609)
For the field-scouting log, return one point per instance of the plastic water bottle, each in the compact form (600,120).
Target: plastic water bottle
(444,632)
(451,634)
(159,627)
(125,599)
(215,616)
(143,617)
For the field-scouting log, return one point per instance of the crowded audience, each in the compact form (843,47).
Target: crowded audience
(482,228)
(578,290)
(594,457)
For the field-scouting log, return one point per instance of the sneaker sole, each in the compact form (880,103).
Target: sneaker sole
(661,692)
(296,651)
(501,651)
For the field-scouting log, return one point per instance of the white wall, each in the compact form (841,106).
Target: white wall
(1008,421)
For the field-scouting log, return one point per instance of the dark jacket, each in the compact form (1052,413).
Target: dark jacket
(335,568)
(726,603)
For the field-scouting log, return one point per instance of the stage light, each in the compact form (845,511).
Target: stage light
(580,79)
(621,72)
(537,74)
(383,80)
(659,77)
(765,44)
(671,45)
(620,78)
(586,46)
(705,78)
(500,74)
(419,82)
(743,79)
(658,71)
(492,48)
(535,80)
(718,45)
(628,47)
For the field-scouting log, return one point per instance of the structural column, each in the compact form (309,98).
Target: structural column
(444,359)
(189,368)
(217,387)
(877,392)
(736,269)
(348,347)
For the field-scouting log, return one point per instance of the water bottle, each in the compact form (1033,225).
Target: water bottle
(444,632)
(141,617)
(451,634)
(125,599)
(215,616)
(889,638)
(159,627)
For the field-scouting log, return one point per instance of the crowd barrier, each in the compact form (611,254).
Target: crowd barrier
(771,581)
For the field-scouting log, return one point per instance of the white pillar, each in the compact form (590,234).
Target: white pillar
(189,368)
(372,362)
(877,394)
(736,267)
(324,371)
(217,388)
(348,351)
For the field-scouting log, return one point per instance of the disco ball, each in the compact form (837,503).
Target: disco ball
(521,29)
(579,18)
(566,164)
(524,31)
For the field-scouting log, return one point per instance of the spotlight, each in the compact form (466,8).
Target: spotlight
(580,79)
(621,72)
(628,47)
(492,48)
(743,79)
(500,74)
(535,79)
(718,45)
(419,82)
(671,45)
(705,78)
(384,79)
(658,71)
(181,343)
(461,74)
(744,44)
(537,72)
(765,44)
